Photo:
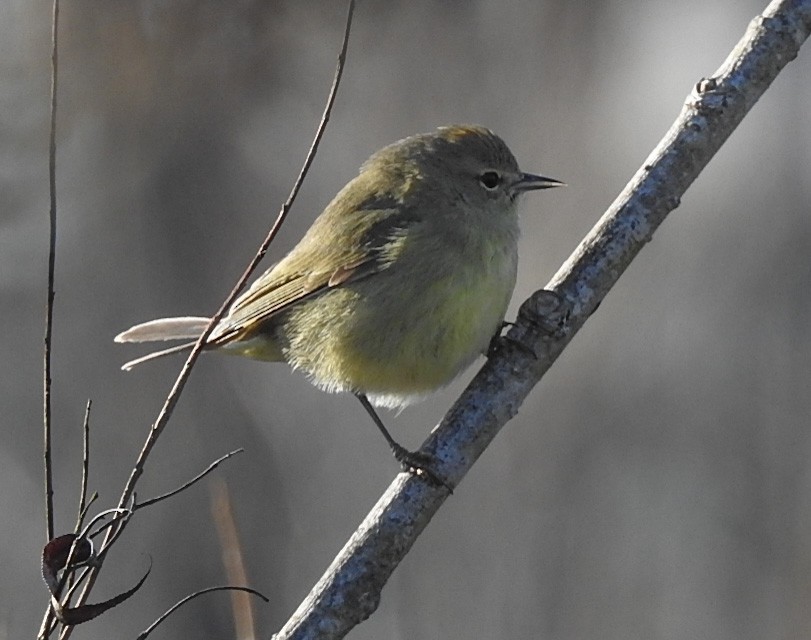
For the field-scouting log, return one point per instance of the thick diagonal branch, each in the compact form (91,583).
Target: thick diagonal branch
(349,592)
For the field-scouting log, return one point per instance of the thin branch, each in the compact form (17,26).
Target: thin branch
(187,484)
(45,629)
(174,395)
(180,383)
(192,596)
(117,514)
(113,529)
(349,592)
(81,512)
(49,307)
(86,509)
(85,466)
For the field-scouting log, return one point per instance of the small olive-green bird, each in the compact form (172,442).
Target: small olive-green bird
(397,286)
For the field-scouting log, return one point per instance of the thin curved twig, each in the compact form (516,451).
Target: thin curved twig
(191,596)
(180,383)
(188,483)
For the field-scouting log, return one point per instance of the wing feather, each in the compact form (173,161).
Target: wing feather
(312,268)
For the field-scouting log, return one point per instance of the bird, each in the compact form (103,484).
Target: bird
(396,288)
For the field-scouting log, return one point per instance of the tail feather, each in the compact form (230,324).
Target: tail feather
(186,328)
(157,354)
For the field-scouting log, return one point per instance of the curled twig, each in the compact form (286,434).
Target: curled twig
(177,605)
(189,483)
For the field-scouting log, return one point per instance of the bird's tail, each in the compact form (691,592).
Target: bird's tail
(187,328)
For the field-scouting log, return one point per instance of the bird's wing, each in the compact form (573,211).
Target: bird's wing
(316,265)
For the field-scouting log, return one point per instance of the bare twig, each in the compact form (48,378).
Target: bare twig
(349,592)
(85,466)
(86,509)
(180,383)
(189,483)
(176,606)
(81,512)
(46,367)
(49,308)
(172,399)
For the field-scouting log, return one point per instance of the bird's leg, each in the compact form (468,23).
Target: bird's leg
(410,460)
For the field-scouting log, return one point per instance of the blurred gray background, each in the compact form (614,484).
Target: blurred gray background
(657,484)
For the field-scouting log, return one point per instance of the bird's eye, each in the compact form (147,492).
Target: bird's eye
(490,179)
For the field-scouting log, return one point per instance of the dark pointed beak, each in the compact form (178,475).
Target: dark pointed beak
(531,182)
